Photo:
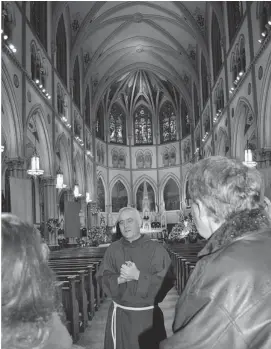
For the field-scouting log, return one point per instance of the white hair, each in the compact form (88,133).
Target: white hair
(132,209)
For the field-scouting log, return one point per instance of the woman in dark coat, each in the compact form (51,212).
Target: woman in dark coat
(227,301)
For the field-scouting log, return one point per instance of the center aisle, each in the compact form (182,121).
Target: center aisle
(93,337)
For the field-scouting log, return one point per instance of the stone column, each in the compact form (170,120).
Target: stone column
(50,207)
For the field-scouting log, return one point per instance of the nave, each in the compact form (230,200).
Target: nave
(93,337)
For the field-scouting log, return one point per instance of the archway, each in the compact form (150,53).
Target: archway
(171,195)
(119,196)
(140,196)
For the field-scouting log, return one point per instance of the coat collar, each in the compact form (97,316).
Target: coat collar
(237,225)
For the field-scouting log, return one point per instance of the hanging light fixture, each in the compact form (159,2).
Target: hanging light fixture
(76,191)
(59,180)
(249,157)
(88,199)
(35,170)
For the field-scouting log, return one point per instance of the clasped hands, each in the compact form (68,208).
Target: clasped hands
(128,272)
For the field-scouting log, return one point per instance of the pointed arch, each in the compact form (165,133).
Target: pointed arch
(126,184)
(45,148)
(150,181)
(163,183)
(11,122)
(223,142)
(61,50)
(102,194)
(119,195)
(239,138)
(185,194)
(264,121)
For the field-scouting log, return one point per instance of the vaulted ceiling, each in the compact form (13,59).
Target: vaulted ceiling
(115,38)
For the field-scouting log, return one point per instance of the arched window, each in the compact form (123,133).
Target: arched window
(234,67)
(139,197)
(87,108)
(216,47)
(196,104)
(33,62)
(235,14)
(142,126)
(171,196)
(204,80)
(185,119)
(168,129)
(8,20)
(243,55)
(59,100)
(38,19)
(100,195)
(265,15)
(76,83)
(100,122)
(117,125)
(61,50)
(119,197)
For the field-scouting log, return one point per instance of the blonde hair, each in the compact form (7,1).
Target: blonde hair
(225,186)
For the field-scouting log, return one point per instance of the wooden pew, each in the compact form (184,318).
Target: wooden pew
(99,294)
(66,292)
(89,288)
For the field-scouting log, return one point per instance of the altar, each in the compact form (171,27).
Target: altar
(153,223)
(153,234)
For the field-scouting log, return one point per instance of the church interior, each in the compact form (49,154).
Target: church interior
(107,104)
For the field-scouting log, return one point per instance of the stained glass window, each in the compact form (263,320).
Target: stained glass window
(117,125)
(235,13)
(76,84)
(99,123)
(100,195)
(143,126)
(185,119)
(168,130)
(61,50)
(171,196)
(204,80)
(216,47)
(38,19)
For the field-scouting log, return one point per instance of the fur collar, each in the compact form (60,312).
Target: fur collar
(237,225)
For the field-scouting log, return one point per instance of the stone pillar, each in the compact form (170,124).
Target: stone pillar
(50,207)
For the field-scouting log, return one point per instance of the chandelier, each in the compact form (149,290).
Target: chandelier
(35,170)
(88,199)
(76,191)
(249,158)
(59,180)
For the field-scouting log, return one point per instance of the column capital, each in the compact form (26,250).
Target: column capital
(15,163)
(48,180)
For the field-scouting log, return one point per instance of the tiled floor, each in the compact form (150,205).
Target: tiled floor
(93,337)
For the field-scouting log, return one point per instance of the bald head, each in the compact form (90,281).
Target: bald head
(129,222)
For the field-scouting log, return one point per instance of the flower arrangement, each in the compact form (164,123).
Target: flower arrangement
(184,230)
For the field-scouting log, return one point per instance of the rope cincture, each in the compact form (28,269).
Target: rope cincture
(114,318)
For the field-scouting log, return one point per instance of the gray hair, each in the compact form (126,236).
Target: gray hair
(225,186)
(132,209)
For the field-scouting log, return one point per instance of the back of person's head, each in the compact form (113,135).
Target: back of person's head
(28,293)
(225,186)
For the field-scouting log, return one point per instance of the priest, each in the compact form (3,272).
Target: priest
(136,273)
